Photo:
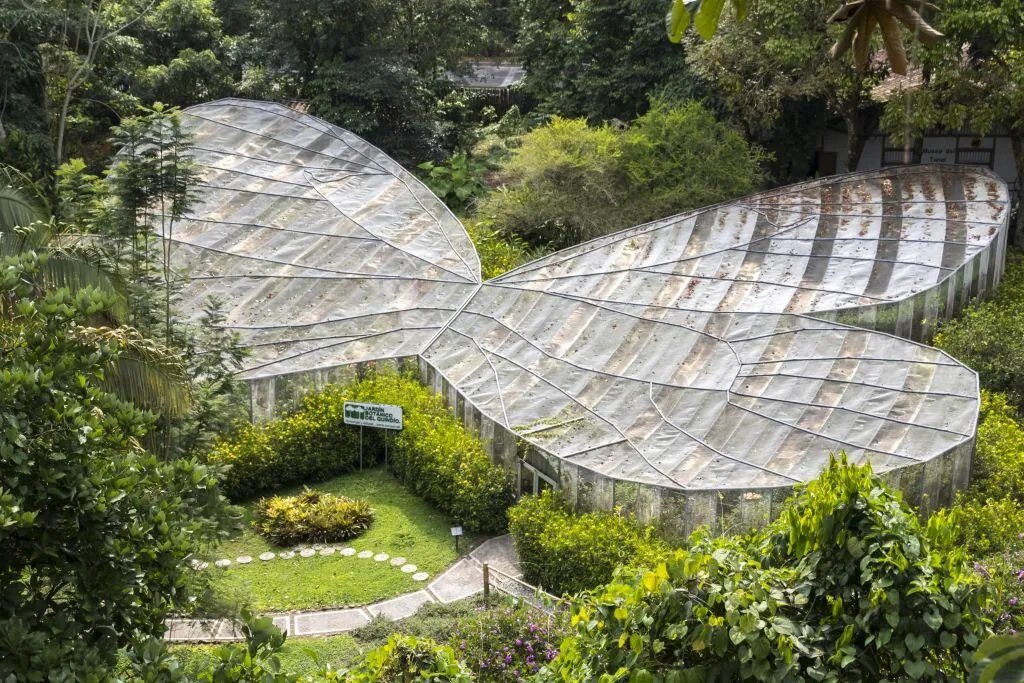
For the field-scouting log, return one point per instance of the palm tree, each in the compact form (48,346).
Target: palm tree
(146,373)
(861,18)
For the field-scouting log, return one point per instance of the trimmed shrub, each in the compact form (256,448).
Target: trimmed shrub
(845,586)
(989,336)
(566,553)
(438,459)
(568,182)
(433,455)
(312,517)
(310,445)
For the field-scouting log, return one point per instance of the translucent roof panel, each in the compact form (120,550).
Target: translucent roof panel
(698,352)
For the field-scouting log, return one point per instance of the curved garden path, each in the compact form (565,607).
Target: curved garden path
(463,579)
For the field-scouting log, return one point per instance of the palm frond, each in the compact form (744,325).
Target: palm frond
(77,265)
(145,373)
(18,215)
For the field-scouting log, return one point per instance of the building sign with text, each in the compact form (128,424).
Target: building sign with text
(373,415)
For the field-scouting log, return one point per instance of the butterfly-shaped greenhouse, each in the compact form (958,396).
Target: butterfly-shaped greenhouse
(691,369)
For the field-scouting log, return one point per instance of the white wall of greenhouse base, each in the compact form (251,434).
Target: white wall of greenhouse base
(691,370)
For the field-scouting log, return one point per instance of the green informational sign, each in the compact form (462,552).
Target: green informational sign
(373,415)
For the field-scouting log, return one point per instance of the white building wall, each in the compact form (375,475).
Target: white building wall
(935,149)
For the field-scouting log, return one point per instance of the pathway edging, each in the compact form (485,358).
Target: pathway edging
(461,580)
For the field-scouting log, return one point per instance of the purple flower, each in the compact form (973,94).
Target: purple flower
(1013,602)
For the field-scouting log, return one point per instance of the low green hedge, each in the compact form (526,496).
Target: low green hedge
(312,517)
(310,445)
(438,459)
(989,336)
(567,553)
(433,455)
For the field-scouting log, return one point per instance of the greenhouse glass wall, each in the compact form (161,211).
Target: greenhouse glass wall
(693,369)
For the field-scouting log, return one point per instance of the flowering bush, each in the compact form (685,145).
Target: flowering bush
(1005,574)
(312,517)
(508,643)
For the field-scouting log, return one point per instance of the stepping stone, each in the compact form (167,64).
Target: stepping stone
(223,564)
(307,552)
(266,557)
(422,576)
(244,559)
(380,557)
(397,561)
(286,555)
(348,552)
(409,568)
(366,554)
(328,551)
(318,546)
(199,565)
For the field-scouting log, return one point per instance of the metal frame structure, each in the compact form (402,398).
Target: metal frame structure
(693,369)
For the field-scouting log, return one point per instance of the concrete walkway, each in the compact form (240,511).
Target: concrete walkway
(463,579)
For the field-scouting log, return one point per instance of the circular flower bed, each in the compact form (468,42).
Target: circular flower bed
(312,517)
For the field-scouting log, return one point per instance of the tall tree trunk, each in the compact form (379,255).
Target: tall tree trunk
(854,142)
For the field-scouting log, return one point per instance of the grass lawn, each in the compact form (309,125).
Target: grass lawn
(404,525)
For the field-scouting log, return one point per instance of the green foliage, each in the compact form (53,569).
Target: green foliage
(782,47)
(845,585)
(95,532)
(703,14)
(458,182)
(999,458)
(310,445)
(512,641)
(1000,658)
(975,78)
(599,59)
(403,525)
(988,518)
(566,553)
(569,182)
(433,455)
(499,253)
(989,335)
(438,459)
(313,517)
(407,659)
(1004,574)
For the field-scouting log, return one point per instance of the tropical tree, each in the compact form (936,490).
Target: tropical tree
(860,16)
(974,78)
(95,532)
(599,60)
(145,373)
(776,61)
